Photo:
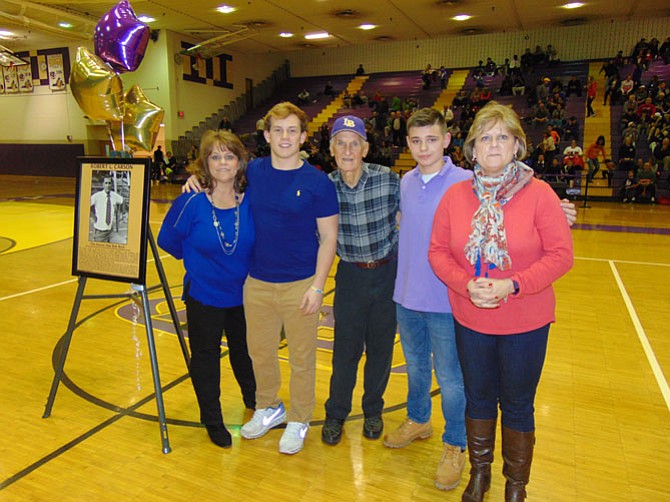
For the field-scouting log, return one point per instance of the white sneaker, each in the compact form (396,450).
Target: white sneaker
(293,438)
(262,421)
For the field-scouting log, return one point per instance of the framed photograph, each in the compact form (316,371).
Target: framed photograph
(111,218)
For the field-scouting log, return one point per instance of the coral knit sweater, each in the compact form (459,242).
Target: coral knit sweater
(539,244)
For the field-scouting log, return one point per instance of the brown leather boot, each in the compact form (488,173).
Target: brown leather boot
(517,450)
(481,440)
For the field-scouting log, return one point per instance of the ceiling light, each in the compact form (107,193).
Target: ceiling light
(367,26)
(573,5)
(146,19)
(226,9)
(316,36)
(286,34)
(461,17)
(6,34)
(65,25)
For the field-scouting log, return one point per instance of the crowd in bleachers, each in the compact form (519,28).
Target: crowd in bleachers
(640,135)
(557,157)
(644,124)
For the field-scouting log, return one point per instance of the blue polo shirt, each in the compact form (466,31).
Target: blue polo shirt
(285,206)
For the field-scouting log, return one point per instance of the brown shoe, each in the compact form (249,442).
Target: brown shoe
(406,433)
(450,468)
(518,456)
(481,441)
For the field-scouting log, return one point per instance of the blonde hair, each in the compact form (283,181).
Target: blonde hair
(225,140)
(489,115)
(283,110)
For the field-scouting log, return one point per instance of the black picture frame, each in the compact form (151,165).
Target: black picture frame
(111,222)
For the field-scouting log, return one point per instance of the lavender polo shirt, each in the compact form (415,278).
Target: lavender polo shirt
(416,286)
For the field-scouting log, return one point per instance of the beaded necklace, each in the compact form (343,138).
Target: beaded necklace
(227,247)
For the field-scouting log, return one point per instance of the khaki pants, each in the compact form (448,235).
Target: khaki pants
(267,306)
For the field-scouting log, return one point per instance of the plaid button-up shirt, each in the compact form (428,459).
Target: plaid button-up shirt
(368,230)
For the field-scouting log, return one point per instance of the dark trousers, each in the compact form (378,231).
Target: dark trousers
(365,320)
(206,325)
(589,107)
(502,370)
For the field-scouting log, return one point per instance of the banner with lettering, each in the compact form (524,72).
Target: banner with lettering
(11,79)
(25,76)
(56,73)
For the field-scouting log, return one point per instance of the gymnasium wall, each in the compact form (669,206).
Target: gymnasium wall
(50,117)
(43,117)
(591,41)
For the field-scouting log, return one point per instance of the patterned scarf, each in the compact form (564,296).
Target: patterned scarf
(488,241)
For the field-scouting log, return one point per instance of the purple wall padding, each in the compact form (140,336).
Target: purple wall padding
(40,160)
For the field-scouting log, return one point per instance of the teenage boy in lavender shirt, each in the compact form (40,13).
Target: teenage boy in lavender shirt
(422,303)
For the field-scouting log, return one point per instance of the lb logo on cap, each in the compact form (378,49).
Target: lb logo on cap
(349,123)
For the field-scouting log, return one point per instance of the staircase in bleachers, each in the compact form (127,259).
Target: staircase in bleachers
(244,121)
(455,82)
(335,105)
(289,91)
(598,125)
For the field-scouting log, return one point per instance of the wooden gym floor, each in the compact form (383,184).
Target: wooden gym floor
(603,415)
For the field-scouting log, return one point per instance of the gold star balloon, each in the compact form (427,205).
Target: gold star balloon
(140,124)
(96,87)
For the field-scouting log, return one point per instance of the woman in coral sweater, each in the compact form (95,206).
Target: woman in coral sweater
(499,242)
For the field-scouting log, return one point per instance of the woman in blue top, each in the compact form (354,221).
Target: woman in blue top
(214,234)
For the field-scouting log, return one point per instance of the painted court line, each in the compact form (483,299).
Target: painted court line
(627,262)
(36,290)
(646,346)
(43,288)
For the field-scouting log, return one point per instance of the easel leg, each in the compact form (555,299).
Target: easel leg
(65,348)
(154,368)
(168,298)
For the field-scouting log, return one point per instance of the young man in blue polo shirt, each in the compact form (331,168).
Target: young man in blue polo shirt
(295,213)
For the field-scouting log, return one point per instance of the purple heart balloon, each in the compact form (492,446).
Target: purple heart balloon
(120,38)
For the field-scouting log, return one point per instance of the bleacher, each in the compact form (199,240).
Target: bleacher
(325,109)
(642,149)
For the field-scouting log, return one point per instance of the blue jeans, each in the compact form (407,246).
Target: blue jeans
(502,369)
(423,334)
(594,167)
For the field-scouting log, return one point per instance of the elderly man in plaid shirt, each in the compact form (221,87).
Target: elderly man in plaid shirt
(367,245)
